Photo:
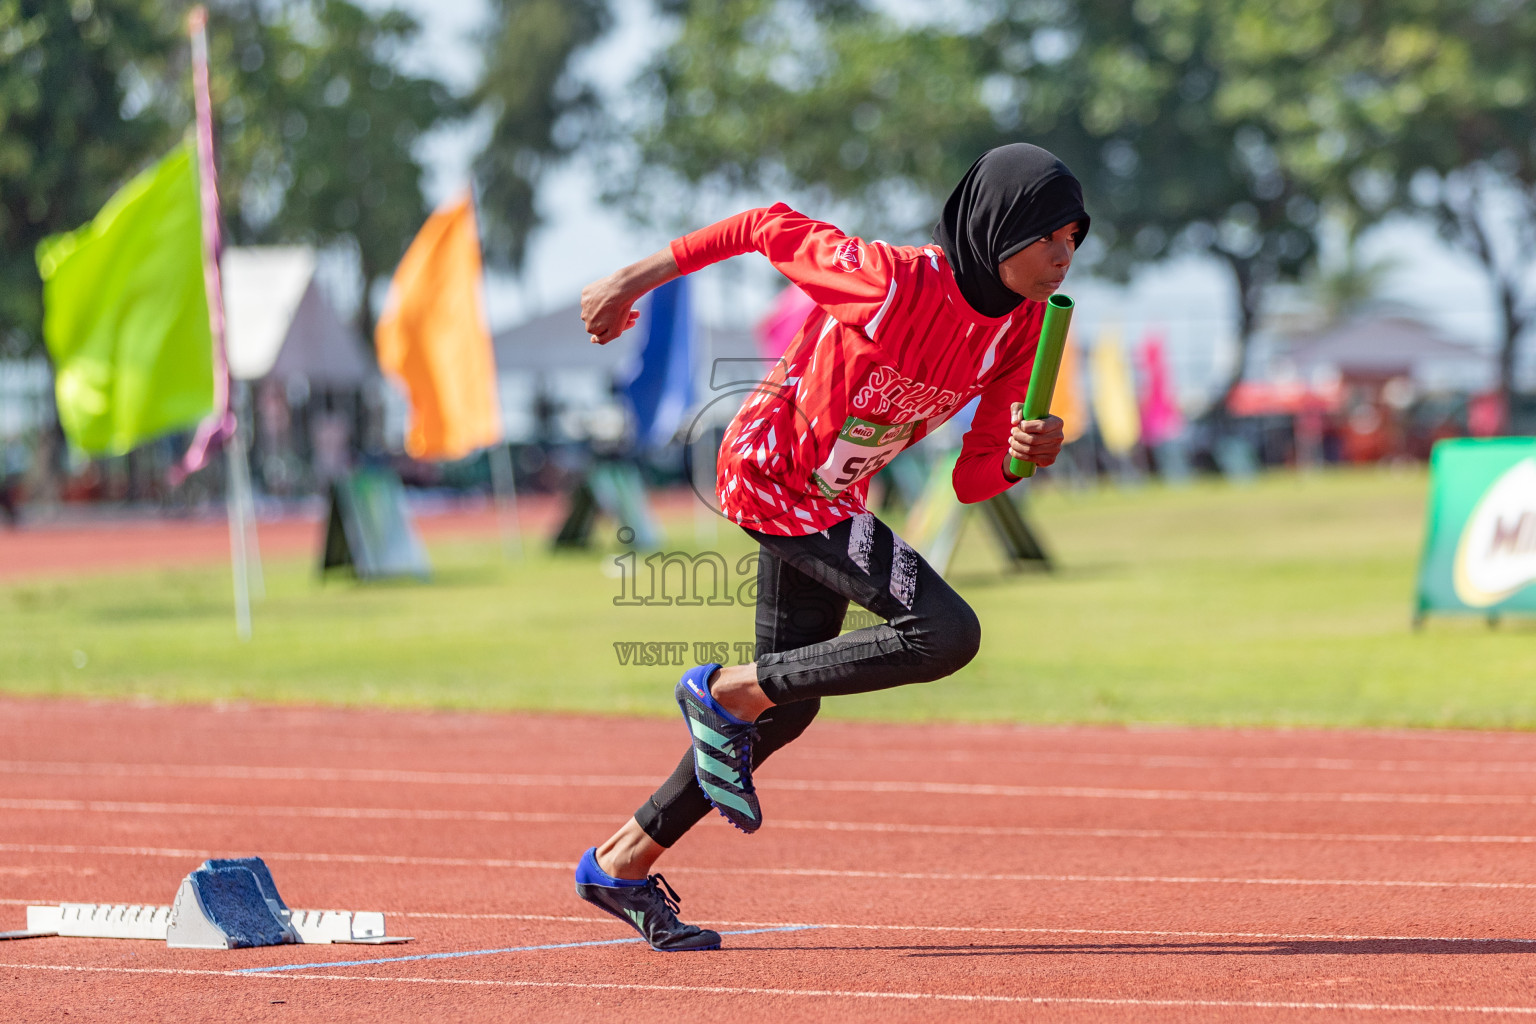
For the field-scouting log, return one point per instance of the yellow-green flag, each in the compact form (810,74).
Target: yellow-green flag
(1114,396)
(125,313)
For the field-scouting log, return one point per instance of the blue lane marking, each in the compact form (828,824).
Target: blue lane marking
(491,952)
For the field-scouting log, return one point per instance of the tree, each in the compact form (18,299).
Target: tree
(316,124)
(1350,285)
(1163,106)
(1149,101)
(76,120)
(319,129)
(540,110)
(1427,106)
(825,98)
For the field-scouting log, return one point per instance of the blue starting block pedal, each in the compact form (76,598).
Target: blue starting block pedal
(229,904)
(225,904)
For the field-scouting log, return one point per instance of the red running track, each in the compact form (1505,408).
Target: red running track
(75,548)
(72,549)
(904,873)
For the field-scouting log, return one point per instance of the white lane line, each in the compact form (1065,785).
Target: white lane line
(742,990)
(531,817)
(1119,879)
(1115,793)
(917,876)
(1144,933)
(318,858)
(285,773)
(322,858)
(1194,762)
(273,811)
(1143,833)
(1159,933)
(378,775)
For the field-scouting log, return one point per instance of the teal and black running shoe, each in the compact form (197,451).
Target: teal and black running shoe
(722,750)
(649,905)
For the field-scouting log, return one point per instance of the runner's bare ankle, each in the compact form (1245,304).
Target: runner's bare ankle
(620,867)
(607,862)
(736,689)
(629,853)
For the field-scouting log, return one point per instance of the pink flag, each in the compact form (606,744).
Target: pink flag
(1485,414)
(776,330)
(1160,417)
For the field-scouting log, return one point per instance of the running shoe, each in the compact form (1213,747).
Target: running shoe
(722,750)
(649,905)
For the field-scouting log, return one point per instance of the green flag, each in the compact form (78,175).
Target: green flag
(125,314)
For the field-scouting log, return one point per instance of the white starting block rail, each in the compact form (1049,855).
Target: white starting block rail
(225,904)
(127,921)
(361,927)
(101,920)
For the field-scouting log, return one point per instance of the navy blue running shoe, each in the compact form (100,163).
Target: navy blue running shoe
(649,905)
(722,750)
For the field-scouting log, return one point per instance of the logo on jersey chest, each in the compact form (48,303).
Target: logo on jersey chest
(885,389)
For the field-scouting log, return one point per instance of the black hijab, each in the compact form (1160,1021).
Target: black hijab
(1013,196)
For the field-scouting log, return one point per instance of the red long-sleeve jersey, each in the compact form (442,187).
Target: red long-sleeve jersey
(891,352)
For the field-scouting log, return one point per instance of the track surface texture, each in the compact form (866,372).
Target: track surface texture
(903,873)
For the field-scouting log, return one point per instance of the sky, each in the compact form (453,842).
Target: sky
(1190,302)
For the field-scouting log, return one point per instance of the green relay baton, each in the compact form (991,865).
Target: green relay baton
(1042,380)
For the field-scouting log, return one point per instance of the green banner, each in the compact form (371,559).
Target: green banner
(1480,542)
(938,519)
(369,528)
(125,316)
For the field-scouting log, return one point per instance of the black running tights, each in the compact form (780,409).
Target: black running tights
(804,586)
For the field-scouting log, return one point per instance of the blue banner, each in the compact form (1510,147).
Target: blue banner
(662,388)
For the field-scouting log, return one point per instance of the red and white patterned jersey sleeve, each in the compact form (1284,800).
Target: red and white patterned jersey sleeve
(978,473)
(847,276)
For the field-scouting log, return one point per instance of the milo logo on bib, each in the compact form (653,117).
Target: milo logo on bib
(861,449)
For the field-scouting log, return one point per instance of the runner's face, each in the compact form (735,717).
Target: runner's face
(1036,270)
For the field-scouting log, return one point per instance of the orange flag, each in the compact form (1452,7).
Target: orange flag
(1067,402)
(433,338)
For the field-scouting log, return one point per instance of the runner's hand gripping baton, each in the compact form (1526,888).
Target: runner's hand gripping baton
(1042,380)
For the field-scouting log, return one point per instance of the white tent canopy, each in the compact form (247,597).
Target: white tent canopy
(558,342)
(553,354)
(1393,346)
(279,324)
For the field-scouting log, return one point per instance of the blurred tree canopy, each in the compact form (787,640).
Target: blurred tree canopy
(317,126)
(1224,127)
(77,118)
(537,106)
(1232,128)
(1141,98)
(1427,107)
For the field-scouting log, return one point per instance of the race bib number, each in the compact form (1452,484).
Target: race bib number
(862,448)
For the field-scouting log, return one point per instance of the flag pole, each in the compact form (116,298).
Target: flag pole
(220,428)
(241,440)
(503,475)
(504,497)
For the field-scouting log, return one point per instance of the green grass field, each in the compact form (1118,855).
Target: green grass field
(1283,603)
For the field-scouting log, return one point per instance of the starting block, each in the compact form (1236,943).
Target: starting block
(225,904)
